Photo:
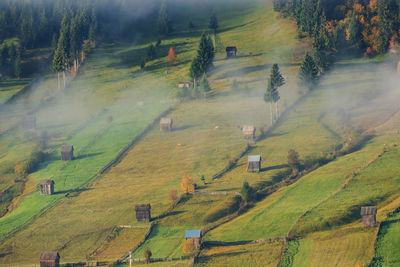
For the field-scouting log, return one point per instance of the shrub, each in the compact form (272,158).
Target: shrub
(187,184)
(21,168)
(173,195)
(223,209)
(248,193)
(147,255)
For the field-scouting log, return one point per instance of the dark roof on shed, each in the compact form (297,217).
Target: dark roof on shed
(231,48)
(369,210)
(46,182)
(142,206)
(67,148)
(192,234)
(49,255)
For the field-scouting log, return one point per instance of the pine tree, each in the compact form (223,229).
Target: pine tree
(93,27)
(164,26)
(213,24)
(275,81)
(204,59)
(17,66)
(309,72)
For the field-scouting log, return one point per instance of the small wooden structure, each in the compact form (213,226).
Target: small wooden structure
(195,237)
(166,124)
(254,163)
(143,212)
(46,187)
(185,84)
(67,152)
(249,132)
(29,122)
(49,259)
(368,214)
(231,51)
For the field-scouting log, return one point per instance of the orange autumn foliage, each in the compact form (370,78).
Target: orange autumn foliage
(187,184)
(171,55)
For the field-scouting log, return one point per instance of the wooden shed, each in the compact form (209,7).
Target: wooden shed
(166,124)
(29,122)
(195,237)
(49,259)
(231,51)
(46,187)
(185,84)
(249,132)
(67,152)
(368,214)
(254,163)
(143,212)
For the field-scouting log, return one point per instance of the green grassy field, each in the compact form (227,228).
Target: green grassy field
(112,100)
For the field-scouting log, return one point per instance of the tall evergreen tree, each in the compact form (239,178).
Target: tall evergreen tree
(309,72)
(275,81)
(17,66)
(204,59)
(213,24)
(164,26)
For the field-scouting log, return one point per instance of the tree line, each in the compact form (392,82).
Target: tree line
(370,25)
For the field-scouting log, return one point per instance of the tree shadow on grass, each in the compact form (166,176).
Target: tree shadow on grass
(276,167)
(172,213)
(2,255)
(181,128)
(89,155)
(225,244)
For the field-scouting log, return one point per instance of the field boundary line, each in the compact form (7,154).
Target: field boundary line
(341,188)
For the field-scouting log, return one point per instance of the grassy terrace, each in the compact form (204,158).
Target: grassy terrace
(155,166)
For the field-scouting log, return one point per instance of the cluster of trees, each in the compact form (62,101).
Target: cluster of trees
(371,25)
(77,34)
(10,59)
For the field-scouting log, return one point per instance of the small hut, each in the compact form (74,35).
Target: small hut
(249,132)
(166,124)
(49,259)
(231,51)
(368,216)
(185,84)
(195,237)
(143,212)
(29,122)
(254,163)
(46,187)
(67,152)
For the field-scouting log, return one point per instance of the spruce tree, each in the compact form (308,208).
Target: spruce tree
(275,81)
(204,59)
(213,24)
(204,85)
(309,72)
(18,67)
(164,26)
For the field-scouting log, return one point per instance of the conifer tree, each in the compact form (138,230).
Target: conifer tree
(309,72)
(275,81)
(164,26)
(213,24)
(204,85)
(204,59)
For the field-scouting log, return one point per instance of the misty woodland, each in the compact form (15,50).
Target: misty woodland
(200,133)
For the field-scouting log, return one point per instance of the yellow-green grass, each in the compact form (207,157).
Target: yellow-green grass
(388,244)
(149,171)
(275,215)
(371,186)
(347,246)
(264,254)
(165,241)
(175,263)
(10,87)
(118,245)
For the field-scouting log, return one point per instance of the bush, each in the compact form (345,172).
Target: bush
(223,209)
(147,255)
(31,165)
(21,169)
(248,193)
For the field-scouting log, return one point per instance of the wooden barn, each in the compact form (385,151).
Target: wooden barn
(29,122)
(143,212)
(185,84)
(67,152)
(254,163)
(46,187)
(368,216)
(195,237)
(249,132)
(166,124)
(49,259)
(231,51)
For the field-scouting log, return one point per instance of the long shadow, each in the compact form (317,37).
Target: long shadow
(84,156)
(277,167)
(69,192)
(225,244)
(172,213)
(185,127)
